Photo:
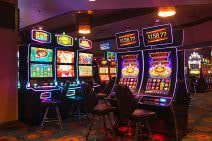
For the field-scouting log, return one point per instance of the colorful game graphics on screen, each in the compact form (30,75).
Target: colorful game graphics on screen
(85,58)
(112,70)
(158,35)
(106,45)
(64,56)
(40,36)
(41,54)
(41,70)
(64,40)
(128,39)
(129,71)
(103,70)
(104,77)
(194,64)
(65,71)
(111,56)
(85,43)
(85,71)
(160,70)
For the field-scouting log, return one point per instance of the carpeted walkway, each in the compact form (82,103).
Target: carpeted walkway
(200,126)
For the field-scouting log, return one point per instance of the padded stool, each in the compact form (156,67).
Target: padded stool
(49,103)
(101,97)
(142,117)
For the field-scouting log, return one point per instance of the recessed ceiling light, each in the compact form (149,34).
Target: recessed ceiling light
(92,0)
(166,11)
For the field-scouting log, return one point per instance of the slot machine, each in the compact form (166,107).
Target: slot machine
(65,63)
(112,59)
(37,77)
(164,88)
(103,71)
(85,63)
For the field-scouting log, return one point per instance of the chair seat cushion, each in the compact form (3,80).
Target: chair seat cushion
(50,102)
(101,109)
(141,115)
(101,95)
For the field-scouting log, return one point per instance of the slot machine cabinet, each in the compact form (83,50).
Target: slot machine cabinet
(130,69)
(36,76)
(104,71)
(164,90)
(112,68)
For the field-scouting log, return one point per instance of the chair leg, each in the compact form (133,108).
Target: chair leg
(111,124)
(79,113)
(90,127)
(44,117)
(59,117)
(128,127)
(136,132)
(105,125)
(149,131)
(97,130)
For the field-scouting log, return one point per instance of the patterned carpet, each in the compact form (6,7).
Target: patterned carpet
(200,126)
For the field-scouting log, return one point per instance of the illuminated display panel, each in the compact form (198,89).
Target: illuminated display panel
(111,55)
(112,70)
(85,71)
(158,35)
(41,54)
(64,40)
(85,58)
(104,77)
(65,56)
(128,39)
(85,44)
(65,71)
(159,72)
(129,71)
(41,70)
(103,70)
(40,36)
(194,64)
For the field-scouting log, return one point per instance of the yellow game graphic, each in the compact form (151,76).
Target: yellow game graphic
(130,71)
(160,70)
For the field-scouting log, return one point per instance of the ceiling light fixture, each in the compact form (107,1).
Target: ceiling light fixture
(83,23)
(92,0)
(166,11)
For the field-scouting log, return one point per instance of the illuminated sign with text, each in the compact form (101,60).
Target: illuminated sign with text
(128,39)
(85,44)
(41,36)
(158,35)
(64,40)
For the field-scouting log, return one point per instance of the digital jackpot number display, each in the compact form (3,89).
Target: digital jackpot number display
(128,39)
(129,71)
(158,35)
(159,72)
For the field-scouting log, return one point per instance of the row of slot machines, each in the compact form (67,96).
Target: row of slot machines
(45,67)
(155,75)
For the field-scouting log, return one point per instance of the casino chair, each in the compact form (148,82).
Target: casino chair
(107,90)
(53,103)
(91,105)
(127,108)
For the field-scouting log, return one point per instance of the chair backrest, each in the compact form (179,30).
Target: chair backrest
(65,90)
(108,88)
(89,97)
(126,101)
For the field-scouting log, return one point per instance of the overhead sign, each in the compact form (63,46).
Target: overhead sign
(158,35)
(41,36)
(105,45)
(85,44)
(128,39)
(64,40)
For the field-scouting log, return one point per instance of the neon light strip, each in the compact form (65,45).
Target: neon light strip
(158,44)
(185,78)
(141,84)
(126,32)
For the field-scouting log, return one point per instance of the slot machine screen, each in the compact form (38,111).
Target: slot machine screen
(65,71)
(104,77)
(85,58)
(41,70)
(41,54)
(103,70)
(130,70)
(112,70)
(111,55)
(159,72)
(64,56)
(85,71)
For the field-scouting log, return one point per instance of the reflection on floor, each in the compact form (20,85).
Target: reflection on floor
(200,126)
